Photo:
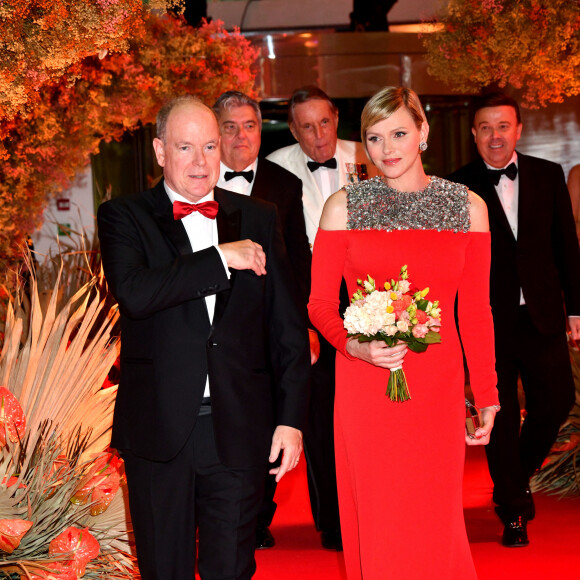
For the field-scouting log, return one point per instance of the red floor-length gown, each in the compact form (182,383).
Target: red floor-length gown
(400,465)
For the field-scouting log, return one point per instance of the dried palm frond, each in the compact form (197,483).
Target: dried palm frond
(77,261)
(59,370)
(58,349)
(560,474)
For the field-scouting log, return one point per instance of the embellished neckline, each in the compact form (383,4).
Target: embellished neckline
(440,205)
(382,180)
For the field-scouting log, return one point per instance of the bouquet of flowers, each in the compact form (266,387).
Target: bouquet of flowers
(399,313)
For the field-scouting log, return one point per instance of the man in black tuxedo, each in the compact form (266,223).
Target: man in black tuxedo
(214,355)
(241,170)
(535,283)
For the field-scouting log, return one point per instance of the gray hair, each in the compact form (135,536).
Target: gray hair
(231,99)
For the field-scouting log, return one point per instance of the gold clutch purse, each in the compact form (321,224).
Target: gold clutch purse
(472,421)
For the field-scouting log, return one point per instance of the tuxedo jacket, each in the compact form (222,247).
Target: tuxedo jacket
(294,160)
(278,186)
(544,261)
(255,351)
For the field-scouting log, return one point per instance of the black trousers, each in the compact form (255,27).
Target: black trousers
(513,454)
(169,501)
(319,441)
(318,448)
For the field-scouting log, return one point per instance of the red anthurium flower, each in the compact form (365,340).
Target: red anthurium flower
(12,420)
(57,572)
(10,481)
(100,484)
(11,533)
(77,544)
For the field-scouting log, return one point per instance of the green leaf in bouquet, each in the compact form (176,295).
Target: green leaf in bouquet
(417,346)
(432,337)
(422,304)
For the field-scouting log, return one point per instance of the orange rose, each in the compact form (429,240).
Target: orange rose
(421,316)
(402,304)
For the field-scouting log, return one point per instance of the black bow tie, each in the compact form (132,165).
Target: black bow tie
(247,175)
(510,171)
(314,165)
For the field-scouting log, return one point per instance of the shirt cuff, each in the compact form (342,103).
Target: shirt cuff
(229,274)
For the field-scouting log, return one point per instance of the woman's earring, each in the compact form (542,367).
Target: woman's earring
(423,146)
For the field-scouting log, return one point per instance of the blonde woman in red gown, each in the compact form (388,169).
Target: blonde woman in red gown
(400,465)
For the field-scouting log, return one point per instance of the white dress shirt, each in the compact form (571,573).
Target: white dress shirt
(508,193)
(202,233)
(237,184)
(326,179)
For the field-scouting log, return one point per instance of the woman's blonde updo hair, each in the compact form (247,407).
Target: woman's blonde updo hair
(386,102)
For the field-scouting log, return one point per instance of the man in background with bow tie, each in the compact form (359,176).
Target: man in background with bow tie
(535,283)
(241,170)
(324,163)
(214,355)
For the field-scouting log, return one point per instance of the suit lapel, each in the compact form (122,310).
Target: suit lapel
(260,189)
(486,190)
(527,204)
(229,223)
(173,229)
(343,158)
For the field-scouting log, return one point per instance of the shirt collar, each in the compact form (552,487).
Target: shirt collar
(223,168)
(335,156)
(514,159)
(174,196)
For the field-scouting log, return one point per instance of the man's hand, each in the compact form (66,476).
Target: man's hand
(314,345)
(245,255)
(289,440)
(376,352)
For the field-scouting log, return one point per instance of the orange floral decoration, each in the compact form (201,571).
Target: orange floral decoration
(79,546)
(56,571)
(43,38)
(12,420)
(532,45)
(100,484)
(50,137)
(12,532)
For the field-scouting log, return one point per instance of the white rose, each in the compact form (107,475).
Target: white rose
(402,325)
(389,318)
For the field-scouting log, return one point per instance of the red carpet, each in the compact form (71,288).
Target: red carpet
(553,553)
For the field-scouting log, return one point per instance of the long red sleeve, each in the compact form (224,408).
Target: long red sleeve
(475,320)
(328,257)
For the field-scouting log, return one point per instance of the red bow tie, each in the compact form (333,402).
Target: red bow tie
(208,208)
